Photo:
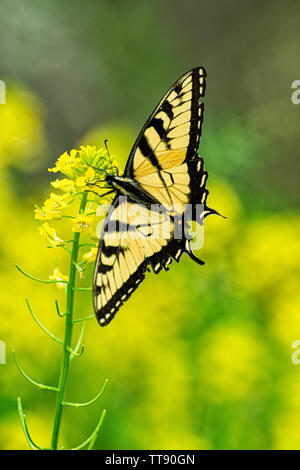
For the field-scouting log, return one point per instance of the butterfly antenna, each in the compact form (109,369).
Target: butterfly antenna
(109,156)
(95,168)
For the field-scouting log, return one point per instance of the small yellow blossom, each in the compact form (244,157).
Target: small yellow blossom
(50,234)
(83,223)
(46,214)
(57,202)
(53,207)
(58,276)
(91,255)
(65,185)
(76,165)
(66,163)
(88,178)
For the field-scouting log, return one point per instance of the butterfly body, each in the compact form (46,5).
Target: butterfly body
(128,187)
(162,188)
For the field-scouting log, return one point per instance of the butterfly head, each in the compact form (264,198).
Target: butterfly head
(109,179)
(112,179)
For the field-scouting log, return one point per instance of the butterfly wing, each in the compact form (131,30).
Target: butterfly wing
(175,124)
(133,240)
(164,158)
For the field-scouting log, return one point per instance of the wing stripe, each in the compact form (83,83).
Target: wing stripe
(148,152)
(158,125)
(181,102)
(167,108)
(110,250)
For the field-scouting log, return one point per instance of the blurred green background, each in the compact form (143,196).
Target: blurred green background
(199,357)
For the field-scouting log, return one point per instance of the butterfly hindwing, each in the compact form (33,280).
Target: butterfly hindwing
(133,240)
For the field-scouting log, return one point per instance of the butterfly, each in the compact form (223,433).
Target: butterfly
(144,228)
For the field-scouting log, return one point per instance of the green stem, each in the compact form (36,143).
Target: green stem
(68,333)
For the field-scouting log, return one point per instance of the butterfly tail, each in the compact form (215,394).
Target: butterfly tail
(189,251)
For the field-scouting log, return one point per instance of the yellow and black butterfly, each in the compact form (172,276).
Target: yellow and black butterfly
(163,176)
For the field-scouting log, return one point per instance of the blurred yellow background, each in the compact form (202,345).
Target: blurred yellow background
(199,357)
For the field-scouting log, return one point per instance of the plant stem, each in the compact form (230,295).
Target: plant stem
(68,333)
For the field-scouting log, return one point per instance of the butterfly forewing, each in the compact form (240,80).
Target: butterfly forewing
(160,159)
(175,124)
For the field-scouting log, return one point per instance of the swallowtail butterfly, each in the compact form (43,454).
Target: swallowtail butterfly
(163,170)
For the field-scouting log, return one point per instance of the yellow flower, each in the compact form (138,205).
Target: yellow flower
(77,166)
(80,167)
(57,202)
(46,214)
(65,185)
(88,178)
(53,207)
(58,276)
(82,223)
(91,255)
(66,164)
(50,234)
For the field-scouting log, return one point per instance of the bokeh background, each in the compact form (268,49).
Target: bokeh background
(199,357)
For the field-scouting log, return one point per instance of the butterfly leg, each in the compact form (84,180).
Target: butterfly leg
(101,195)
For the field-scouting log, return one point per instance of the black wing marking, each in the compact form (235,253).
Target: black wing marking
(175,123)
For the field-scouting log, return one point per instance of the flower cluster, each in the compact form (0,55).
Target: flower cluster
(82,170)
(53,207)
